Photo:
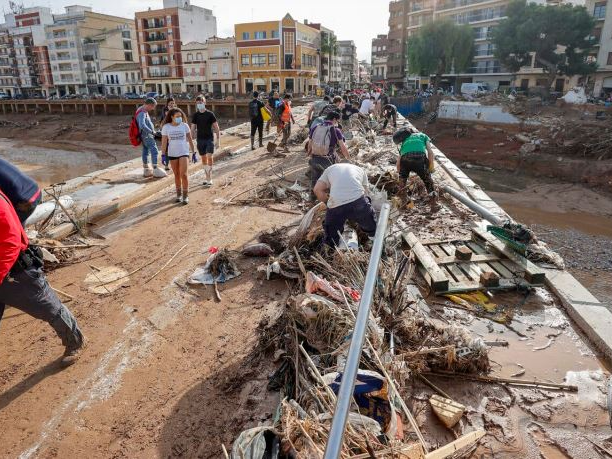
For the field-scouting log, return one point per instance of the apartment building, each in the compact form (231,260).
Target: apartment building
(8,70)
(211,67)
(407,16)
(379,58)
(119,79)
(81,43)
(349,73)
(277,55)
(27,53)
(329,67)
(602,54)
(161,34)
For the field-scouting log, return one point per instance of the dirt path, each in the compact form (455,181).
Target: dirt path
(154,380)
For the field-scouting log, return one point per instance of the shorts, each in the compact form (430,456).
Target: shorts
(173,158)
(206,146)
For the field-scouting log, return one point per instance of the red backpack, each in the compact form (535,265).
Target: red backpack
(134,130)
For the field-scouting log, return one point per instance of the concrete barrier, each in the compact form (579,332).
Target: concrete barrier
(474,111)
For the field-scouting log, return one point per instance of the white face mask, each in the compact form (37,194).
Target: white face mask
(178,120)
(201,107)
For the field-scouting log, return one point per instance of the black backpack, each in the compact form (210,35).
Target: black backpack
(401,134)
(254,109)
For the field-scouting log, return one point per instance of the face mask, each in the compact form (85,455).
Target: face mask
(178,120)
(201,107)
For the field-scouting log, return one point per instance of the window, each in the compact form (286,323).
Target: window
(258,60)
(199,57)
(128,56)
(125,34)
(599,11)
(260,35)
(272,59)
(609,59)
(225,69)
(245,35)
(189,57)
(127,45)
(215,69)
(245,60)
(274,34)
(107,81)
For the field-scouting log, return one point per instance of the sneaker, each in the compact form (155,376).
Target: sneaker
(159,173)
(186,200)
(206,183)
(210,182)
(166,168)
(147,172)
(179,199)
(71,356)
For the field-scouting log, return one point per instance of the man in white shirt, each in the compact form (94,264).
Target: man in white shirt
(366,107)
(342,187)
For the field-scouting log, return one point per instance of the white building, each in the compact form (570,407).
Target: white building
(349,74)
(119,79)
(210,67)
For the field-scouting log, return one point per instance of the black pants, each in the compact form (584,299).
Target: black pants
(387,118)
(359,211)
(257,125)
(318,164)
(29,291)
(419,164)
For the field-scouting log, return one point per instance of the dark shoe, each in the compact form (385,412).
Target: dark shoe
(71,355)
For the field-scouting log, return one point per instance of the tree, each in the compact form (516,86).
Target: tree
(560,37)
(440,47)
(329,47)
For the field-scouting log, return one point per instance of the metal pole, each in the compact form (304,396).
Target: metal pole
(345,394)
(480,210)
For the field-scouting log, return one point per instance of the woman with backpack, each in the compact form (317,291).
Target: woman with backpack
(177,143)
(257,121)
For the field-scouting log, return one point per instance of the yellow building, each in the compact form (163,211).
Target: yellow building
(277,55)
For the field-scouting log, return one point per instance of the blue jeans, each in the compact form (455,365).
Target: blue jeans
(149,146)
(359,211)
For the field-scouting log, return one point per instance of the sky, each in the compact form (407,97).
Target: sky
(357,20)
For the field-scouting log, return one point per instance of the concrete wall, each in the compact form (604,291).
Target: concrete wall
(473,111)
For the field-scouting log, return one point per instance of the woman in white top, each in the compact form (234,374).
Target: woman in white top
(177,143)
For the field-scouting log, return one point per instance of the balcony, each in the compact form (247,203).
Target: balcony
(57,35)
(156,37)
(158,62)
(159,73)
(153,24)
(161,50)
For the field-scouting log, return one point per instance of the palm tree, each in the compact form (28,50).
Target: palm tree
(329,47)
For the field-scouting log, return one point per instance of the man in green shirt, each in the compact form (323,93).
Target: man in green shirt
(416,155)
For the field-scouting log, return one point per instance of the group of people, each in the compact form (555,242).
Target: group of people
(273,111)
(180,142)
(343,186)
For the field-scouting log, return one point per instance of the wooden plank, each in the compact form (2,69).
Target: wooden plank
(503,272)
(436,250)
(475,259)
(461,442)
(471,270)
(445,241)
(476,247)
(533,274)
(448,248)
(435,276)
(459,275)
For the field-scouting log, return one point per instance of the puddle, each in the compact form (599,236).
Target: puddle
(50,165)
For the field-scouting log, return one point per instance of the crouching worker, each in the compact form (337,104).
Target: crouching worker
(389,113)
(342,187)
(23,284)
(324,140)
(416,155)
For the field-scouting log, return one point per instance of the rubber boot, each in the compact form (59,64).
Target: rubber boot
(260,140)
(252,142)
(433,203)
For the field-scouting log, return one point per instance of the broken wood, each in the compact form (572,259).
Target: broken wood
(452,448)
(463,253)
(447,410)
(166,264)
(516,382)
(433,274)
(68,297)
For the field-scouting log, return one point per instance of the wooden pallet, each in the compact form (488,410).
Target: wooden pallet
(447,274)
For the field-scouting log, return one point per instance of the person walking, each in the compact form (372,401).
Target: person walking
(416,155)
(24,286)
(204,122)
(23,192)
(257,121)
(286,119)
(325,140)
(343,188)
(147,136)
(177,143)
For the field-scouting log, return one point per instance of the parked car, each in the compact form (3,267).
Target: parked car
(131,95)
(474,89)
(152,94)
(4,96)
